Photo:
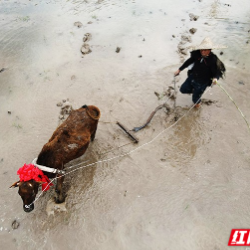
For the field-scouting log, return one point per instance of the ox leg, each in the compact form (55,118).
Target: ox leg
(93,135)
(59,192)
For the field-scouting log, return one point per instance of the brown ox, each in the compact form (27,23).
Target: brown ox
(68,142)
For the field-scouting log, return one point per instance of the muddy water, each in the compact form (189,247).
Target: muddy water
(186,188)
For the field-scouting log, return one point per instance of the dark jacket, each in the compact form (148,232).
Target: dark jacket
(205,68)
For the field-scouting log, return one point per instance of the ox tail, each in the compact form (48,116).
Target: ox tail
(92,111)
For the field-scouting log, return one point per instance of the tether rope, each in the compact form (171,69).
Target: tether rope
(118,156)
(235,106)
(132,151)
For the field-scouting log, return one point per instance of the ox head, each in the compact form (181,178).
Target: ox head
(28,191)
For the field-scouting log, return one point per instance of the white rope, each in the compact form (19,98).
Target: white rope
(115,157)
(132,151)
(122,155)
(235,105)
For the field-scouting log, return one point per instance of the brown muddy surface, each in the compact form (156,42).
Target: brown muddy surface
(185,185)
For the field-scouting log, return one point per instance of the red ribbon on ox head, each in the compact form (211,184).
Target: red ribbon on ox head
(29,171)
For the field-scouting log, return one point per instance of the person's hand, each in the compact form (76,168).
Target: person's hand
(214,81)
(177,72)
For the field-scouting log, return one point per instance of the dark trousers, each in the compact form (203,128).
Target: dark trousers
(190,86)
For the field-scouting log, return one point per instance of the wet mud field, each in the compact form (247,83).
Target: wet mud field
(185,184)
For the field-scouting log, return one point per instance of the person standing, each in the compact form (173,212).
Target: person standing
(206,70)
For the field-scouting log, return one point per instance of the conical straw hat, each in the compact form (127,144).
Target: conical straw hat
(208,44)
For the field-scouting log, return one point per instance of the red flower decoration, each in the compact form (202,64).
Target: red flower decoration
(30,172)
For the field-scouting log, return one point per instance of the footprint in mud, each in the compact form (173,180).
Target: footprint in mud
(85,49)
(66,109)
(118,49)
(182,49)
(78,24)
(53,207)
(192,30)
(208,102)
(193,17)
(87,37)
(15,224)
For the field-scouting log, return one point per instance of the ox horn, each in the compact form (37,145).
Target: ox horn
(16,184)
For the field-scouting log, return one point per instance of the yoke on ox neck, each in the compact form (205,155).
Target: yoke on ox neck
(47,169)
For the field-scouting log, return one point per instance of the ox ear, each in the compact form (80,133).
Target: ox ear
(40,182)
(14,185)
